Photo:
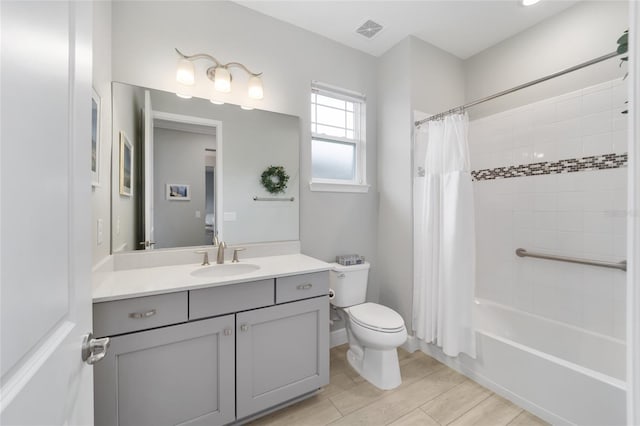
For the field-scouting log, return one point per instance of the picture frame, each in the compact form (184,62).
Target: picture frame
(96,107)
(126,166)
(178,192)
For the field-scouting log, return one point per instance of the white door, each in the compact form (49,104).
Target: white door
(148,172)
(45,186)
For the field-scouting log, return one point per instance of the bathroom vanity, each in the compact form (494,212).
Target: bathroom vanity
(190,347)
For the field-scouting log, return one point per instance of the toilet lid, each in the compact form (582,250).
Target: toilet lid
(376,317)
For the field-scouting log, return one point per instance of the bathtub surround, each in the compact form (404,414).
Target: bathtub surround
(580,214)
(572,165)
(574,208)
(444,237)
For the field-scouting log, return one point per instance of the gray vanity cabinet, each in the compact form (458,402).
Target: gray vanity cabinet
(281,353)
(214,355)
(181,374)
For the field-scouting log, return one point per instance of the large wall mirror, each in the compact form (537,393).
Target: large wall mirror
(186,170)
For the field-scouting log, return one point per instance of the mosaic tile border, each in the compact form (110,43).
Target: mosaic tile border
(584,164)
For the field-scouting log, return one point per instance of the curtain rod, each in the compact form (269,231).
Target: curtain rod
(515,89)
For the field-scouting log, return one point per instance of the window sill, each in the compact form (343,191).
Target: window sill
(338,187)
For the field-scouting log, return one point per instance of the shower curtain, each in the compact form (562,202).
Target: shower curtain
(444,236)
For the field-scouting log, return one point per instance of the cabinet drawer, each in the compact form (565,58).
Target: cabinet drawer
(139,313)
(213,301)
(302,286)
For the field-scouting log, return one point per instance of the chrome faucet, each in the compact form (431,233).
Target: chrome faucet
(221,247)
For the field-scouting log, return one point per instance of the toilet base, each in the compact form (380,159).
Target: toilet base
(379,367)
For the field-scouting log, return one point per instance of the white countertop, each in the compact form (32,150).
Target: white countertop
(115,285)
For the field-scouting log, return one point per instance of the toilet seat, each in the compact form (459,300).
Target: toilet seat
(376,317)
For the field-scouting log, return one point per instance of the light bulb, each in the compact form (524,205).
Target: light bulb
(246,107)
(216,102)
(529,2)
(255,88)
(222,80)
(185,73)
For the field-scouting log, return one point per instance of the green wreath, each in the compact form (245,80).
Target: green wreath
(274,179)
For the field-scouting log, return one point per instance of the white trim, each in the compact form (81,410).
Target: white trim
(199,121)
(336,91)
(633,222)
(359,140)
(338,187)
(187,119)
(338,337)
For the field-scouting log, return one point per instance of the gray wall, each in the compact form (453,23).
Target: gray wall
(583,32)
(145,34)
(101,195)
(178,157)
(428,79)
(128,102)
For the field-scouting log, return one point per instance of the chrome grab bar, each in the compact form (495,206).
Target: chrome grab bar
(520,252)
(256,198)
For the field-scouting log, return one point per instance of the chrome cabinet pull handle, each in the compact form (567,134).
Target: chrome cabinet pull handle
(244,327)
(341,275)
(93,350)
(139,315)
(228,332)
(304,286)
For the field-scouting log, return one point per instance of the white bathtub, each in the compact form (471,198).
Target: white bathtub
(561,373)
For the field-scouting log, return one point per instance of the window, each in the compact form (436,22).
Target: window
(337,140)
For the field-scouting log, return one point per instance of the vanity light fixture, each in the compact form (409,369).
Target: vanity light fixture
(218,73)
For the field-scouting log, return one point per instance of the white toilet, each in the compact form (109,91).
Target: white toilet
(374,331)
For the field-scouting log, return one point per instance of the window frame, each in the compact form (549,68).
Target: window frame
(359,182)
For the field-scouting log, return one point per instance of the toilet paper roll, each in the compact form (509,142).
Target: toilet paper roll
(332,294)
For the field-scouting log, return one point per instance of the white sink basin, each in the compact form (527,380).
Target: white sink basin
(225,270)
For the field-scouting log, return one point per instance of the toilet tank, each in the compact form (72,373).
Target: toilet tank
(349,283)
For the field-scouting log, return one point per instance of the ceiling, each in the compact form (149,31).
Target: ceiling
(460,27)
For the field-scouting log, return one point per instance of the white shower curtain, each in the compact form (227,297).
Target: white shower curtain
(444,237)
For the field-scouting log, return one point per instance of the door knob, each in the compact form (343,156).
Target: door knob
(93,350)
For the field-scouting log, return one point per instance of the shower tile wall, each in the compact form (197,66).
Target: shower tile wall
(579,214)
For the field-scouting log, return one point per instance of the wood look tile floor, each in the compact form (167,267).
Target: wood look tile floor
(431,394)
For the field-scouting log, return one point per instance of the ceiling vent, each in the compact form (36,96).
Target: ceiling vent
(369,29)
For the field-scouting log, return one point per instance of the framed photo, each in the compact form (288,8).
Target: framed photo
(126,165)
(95,138)
(178,192)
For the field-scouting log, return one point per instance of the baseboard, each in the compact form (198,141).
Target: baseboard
(338,337)
(411,344)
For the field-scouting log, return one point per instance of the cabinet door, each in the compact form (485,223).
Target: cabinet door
(183,374)
(281,352)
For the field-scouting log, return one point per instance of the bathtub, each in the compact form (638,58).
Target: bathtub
(561,373)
